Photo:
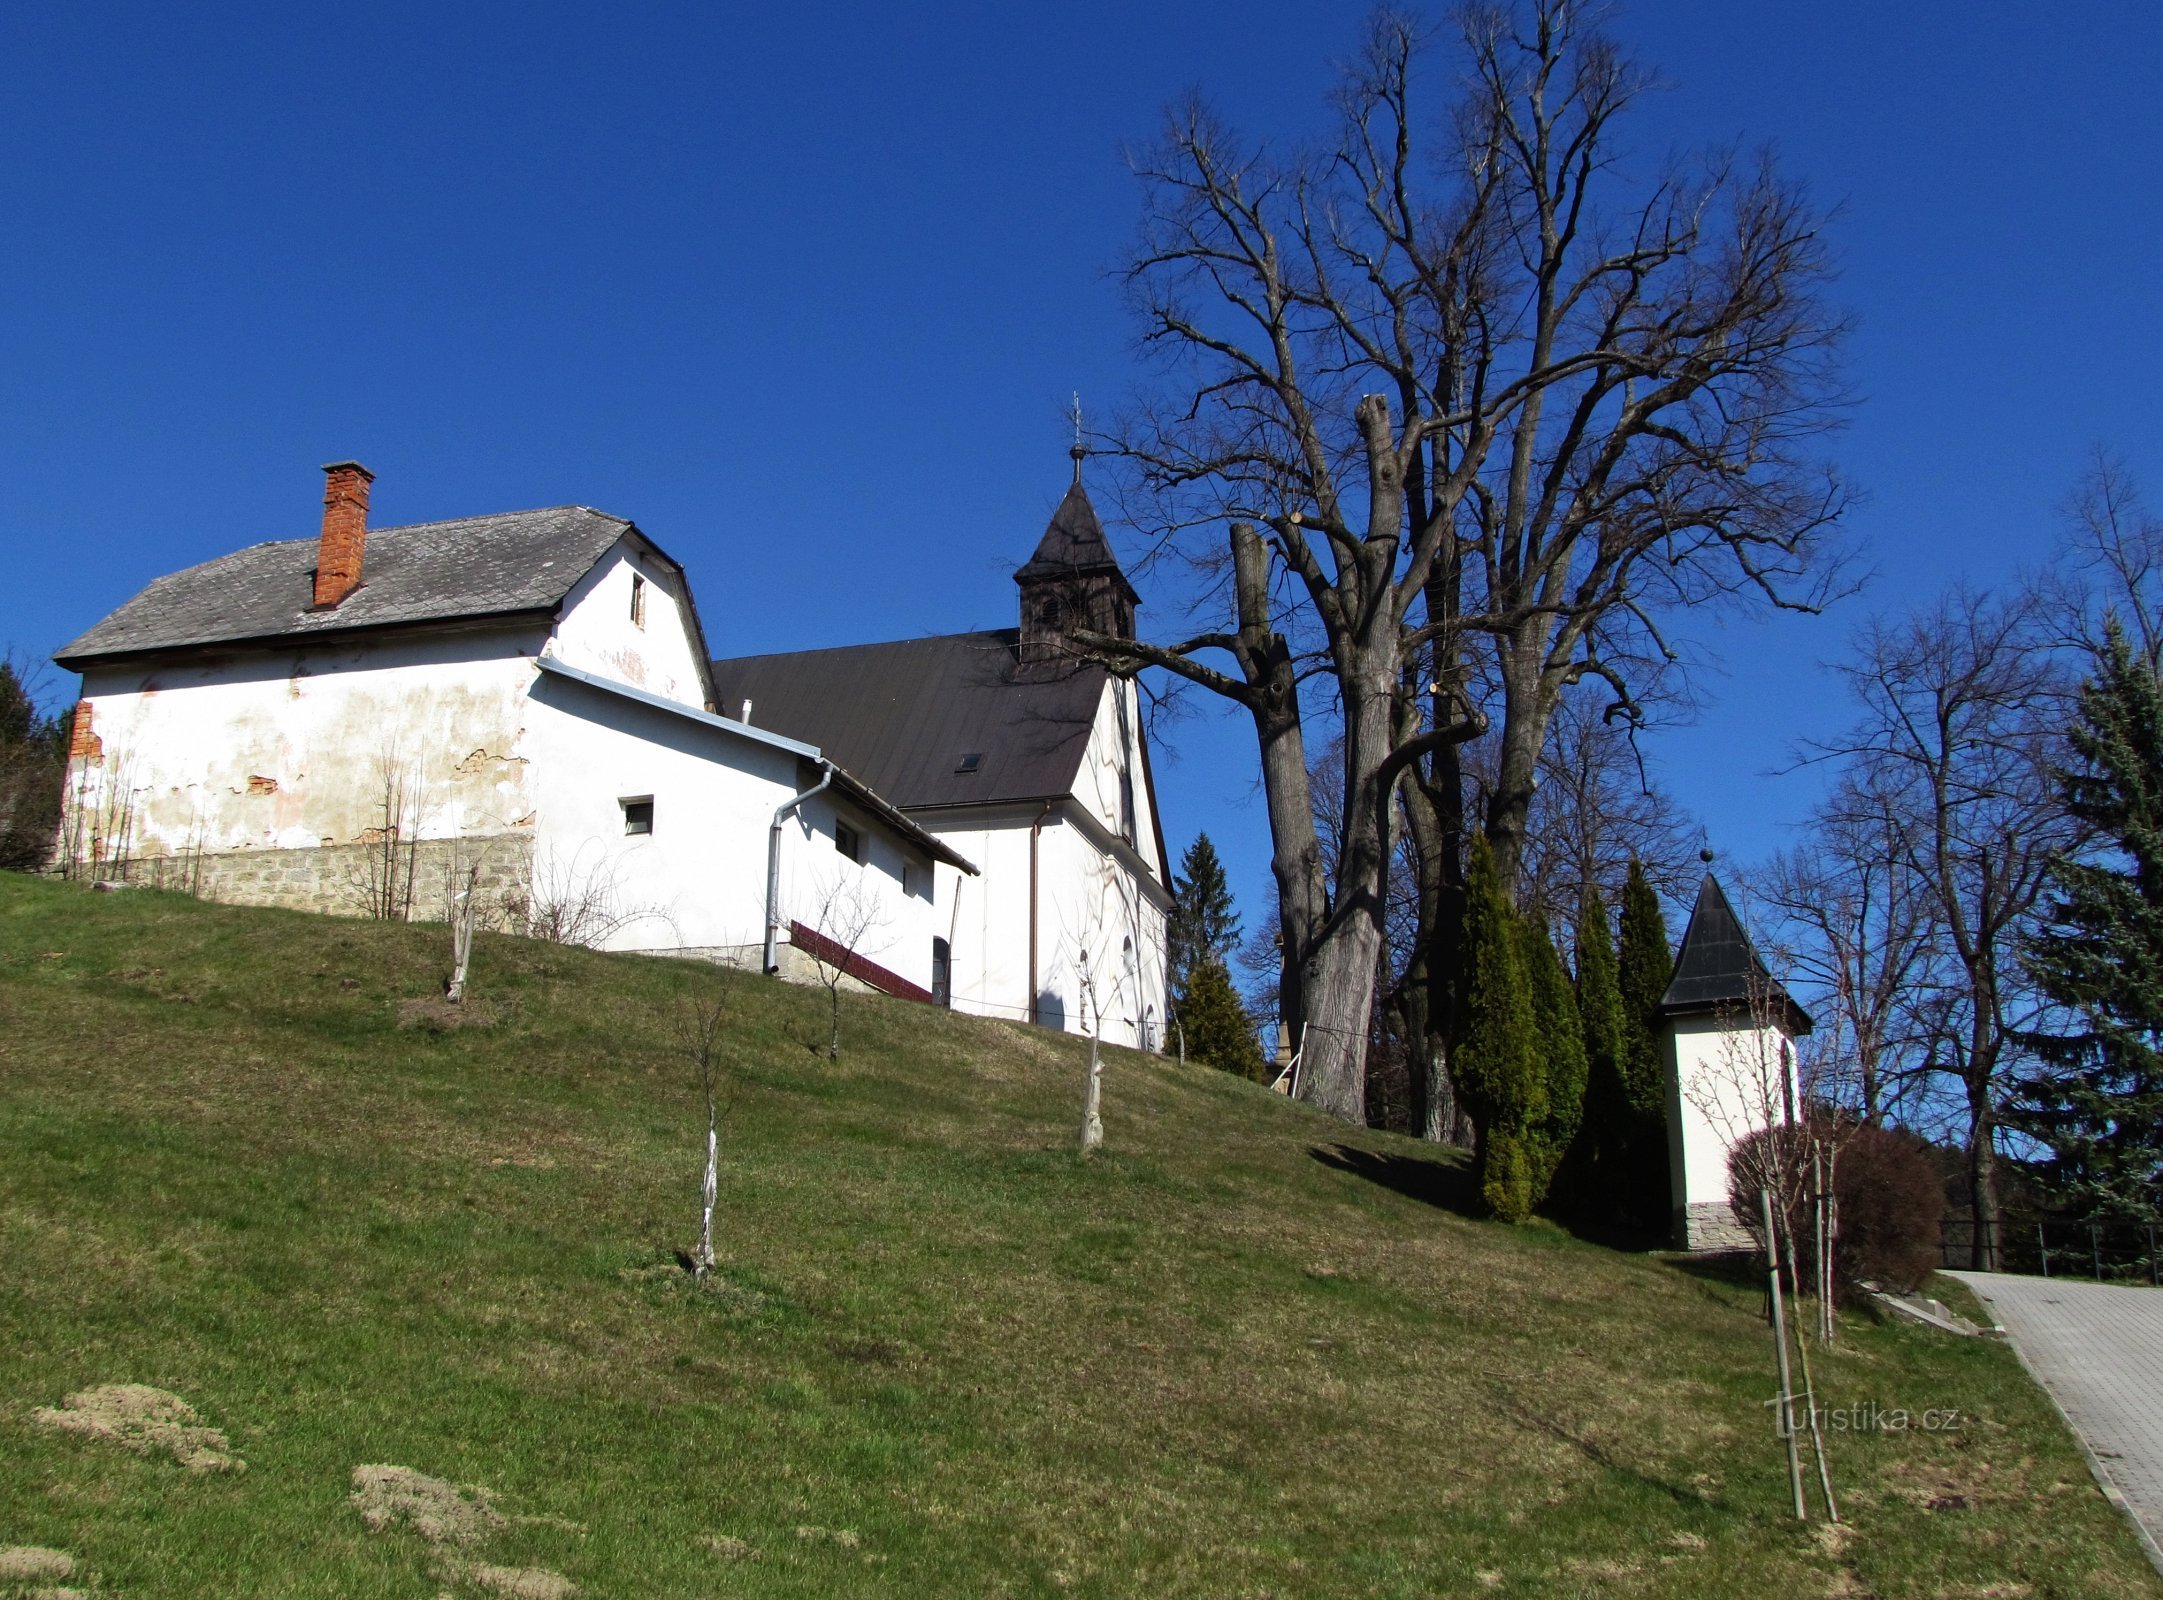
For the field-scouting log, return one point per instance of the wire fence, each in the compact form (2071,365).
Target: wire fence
(2108,1250)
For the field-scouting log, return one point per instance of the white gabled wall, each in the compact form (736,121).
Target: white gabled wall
(1092,903)
(1111,784)
(595,631)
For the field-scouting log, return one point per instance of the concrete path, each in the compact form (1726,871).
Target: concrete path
(2098,1349)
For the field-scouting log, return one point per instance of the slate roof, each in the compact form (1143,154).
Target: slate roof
(517,561)
(1073,543)
(1718,969)
(901,716)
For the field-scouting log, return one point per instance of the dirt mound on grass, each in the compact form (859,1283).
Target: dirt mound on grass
(522,1583)
(440,1512)
(448,1519)
(30,1563)
(145,1420)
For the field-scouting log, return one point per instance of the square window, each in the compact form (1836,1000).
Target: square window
(638,601)
(848,842)
(638,815)
(970,762)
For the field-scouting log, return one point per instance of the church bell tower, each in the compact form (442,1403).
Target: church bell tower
(1073,581)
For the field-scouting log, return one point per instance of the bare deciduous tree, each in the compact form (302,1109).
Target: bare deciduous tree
(1457,387)
(380,881)
(847,919)
(698,1033)
(1863,935)
(1961,707)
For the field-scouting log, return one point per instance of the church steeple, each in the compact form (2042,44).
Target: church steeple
(1073,580)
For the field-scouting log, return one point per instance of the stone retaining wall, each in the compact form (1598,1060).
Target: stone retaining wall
(337,879)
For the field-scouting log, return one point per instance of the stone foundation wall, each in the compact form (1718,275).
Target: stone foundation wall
(338,879)
(1711,1225)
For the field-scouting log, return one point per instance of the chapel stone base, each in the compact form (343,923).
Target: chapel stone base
(1711,1225)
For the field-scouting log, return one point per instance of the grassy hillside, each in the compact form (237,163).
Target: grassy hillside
(1247,1352)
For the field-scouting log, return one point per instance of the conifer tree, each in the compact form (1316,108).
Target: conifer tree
(2096,1101)
(1590,1171)
(1202,924)
(1218,1030)
(1561,1054)
(1645,967)
(1497,1063)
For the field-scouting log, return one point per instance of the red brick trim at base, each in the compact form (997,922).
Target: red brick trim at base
(870,973)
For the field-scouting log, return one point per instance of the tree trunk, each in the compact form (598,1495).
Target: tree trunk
(1092,1121)
(1983,1236)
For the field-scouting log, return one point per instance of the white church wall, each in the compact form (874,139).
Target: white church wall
(654,651)
(1101,916)
(1726,1079)
(1110,784)
(985,919)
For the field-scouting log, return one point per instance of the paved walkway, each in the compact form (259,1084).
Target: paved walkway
(2098,1349)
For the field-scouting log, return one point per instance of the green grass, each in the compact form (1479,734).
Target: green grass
(1246,1352)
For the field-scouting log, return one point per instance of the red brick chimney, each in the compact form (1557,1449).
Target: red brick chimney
(345,531)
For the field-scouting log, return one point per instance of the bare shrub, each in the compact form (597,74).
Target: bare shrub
(580,898)
(1888,1199)
(848,920)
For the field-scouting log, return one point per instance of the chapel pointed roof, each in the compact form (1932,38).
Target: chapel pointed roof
(1073,544)
(1718,969)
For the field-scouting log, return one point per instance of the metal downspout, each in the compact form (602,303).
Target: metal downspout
(1036,828)
(773,867)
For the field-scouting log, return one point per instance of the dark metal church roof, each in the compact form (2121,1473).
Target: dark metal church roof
(904,716)
(1718,969)
(517,561)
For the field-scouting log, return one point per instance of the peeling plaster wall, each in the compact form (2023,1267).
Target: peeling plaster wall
(293,750)
(596,633)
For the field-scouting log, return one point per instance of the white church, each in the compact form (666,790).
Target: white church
(527,701)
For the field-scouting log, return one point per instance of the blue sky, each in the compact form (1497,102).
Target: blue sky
(805,295)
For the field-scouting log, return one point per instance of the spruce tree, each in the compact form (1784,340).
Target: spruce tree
(2096,1101)
(1645,967)
(1497,1062)
(1218,1030)
(1561,1054)
(1202,924)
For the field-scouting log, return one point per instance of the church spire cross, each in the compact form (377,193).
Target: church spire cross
(1079,451)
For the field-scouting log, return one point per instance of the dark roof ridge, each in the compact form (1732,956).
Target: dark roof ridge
(1007,635)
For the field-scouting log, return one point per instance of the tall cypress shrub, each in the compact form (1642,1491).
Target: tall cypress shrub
(1588,1177)
(1497,1060)
(1645,967)
(1561,1054)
